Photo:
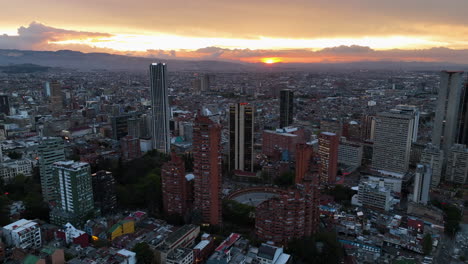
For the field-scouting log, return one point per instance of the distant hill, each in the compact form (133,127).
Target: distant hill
(23,68)
(103,61)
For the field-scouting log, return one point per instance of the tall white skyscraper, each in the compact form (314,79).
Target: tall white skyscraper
(447,111)
(160,108)
(394,132)
(422,182)
(241,137)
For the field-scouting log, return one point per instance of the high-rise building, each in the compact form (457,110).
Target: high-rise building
(130,148)
(328,152)
(241,137)
(434,158)
(4,105)
(304,162)
(457,164)
(447,111)
(50,150)
(160,108)
(411,109)
(120,126)
(350,153)
(47,91)
(392,142)
(367,127)
(197,86)
(104,192)
(286,107)
(422,182)
(75,193)
(207,169)
(205,82)
(56,97)
(463,118)
(282,142)
(174,187)
(134,127)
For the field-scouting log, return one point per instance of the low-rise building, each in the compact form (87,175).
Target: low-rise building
(23,234)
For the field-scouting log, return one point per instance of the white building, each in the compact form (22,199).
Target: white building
(23,234)
(11,168)
(180,256)
(374,195)
(130,256)
(350,153)
(268,254)
(457,164)
(422,183)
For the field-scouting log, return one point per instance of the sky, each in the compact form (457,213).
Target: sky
(243,30)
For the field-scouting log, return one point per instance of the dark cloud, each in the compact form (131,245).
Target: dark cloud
(37,37)
(346,49)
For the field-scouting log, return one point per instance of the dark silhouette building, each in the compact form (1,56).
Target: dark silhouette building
(130,148)
(104,191)
(4,105)
(175,187)
(286,107)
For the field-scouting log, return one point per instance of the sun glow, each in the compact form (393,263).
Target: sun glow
(271,60)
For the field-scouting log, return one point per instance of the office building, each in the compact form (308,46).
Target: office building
(457,164)
(434,158)
(134,127)
(447,111)
(207,169)
(281,143)
(23,233)
(374,195)
(4,105)
(241,137)
(174,187)
(50,150)
(11,168)
(392,142)
(286,108)
(130,148)
(412,110)
(160,108)
(75,193)
(120,126)
(367,127)
(56,97)
(47,91)
(350,153)
(268,254)
(197,86)
(328,152)
(104,192)
(422,183)
(463,118)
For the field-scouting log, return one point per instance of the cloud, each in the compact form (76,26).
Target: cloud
(346,49)
(39,37)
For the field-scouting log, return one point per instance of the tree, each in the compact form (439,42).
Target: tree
(341,193)
(15,155)
(285,179)
(427,244)
(320,248)
(143,253)
(238,213)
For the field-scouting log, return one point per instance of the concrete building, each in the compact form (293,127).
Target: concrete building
(412,110)
(457,164)
(392,143)
(11,168)
(160,108)
(207,169)
(447,111)
(130,148)
(120,126)
(334,126)
(104,192)
(174,187)
(286,108)
(241,137)
(4,105)
(180,256)
(183,237)
(268,254)
(50,150)
(75,193)
(434,158)
(422,183)
(374,195)
(23,233)
(350,153)
(56,97)
(328,152)
(304,163)
(282,142)
(462,137)
(134,127)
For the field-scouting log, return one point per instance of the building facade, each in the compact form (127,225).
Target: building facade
(374,195)
(286,107)
(457,164)
(75,193)
(328,152)
(50,151)
(160,108)
(23,233)
(241,137)
(104,191)
(434,158)
(174,187)
(130,148)
(422,183)
(207,169)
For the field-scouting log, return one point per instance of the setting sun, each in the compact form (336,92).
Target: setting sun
(271,60)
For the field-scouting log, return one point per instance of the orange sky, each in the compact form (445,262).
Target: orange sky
(241,30)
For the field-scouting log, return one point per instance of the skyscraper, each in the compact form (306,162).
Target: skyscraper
(328,152)
(392,142)
(4,105)
(463,118)
(207,169)
(160,108)
(411,109)
(422,183)
(75,193)
(50,151)
(56,97)
(304,162)
(174,186)
(457,164)
(286,107)
(241,137)
(447,111)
